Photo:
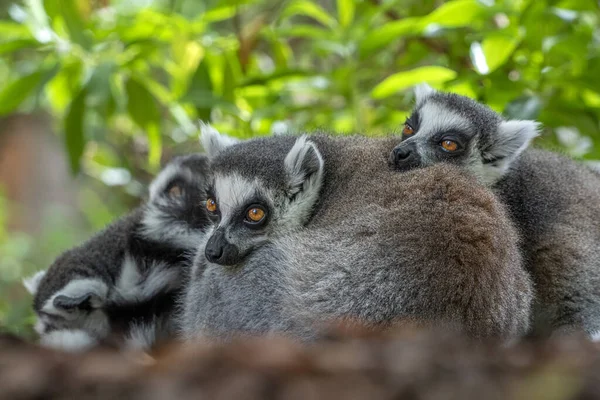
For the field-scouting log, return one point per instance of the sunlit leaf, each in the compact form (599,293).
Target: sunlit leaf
(497,48)
(71,15)
(389,32)
(310,9)
(455,14)
(345,10)
(13,30)
(402,80)
(74,136)
(63,87)
(219,13)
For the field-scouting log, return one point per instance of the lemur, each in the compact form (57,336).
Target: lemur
(553,200)
(310,229)
(120,286)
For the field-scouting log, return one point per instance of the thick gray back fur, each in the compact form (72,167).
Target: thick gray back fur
(553,200)
(555,203)
(430,245)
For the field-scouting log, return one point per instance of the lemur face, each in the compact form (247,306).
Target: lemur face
(174,212)
(252,201)
(446,127)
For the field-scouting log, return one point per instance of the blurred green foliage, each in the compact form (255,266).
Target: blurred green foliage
(126,80)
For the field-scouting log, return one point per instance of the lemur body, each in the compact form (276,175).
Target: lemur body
(310,230)
(554,201)
(120,286)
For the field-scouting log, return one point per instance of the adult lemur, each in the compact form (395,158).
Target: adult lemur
(120,286)
(554,201)
(311,229)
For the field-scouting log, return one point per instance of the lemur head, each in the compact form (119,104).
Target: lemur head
(267,193)
(174,212)
(446,127)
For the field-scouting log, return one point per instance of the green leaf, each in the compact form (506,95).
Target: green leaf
(17,91)
(497,48)
(403,80)
(345,10)
(74,138)
(277,74)
(310,9)
(454,14)
(389,32)
(70,13)
(201,86)
(219,14)
(143,110)
(14,45)
(304,31)
(13,30)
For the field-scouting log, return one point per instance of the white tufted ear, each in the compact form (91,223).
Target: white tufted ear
(422,91)
(33,282)
(304,167)
(511,139)
(212,141)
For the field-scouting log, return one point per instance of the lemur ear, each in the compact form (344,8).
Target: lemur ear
(212,141)
(422,91)
(303,166)
(33,282)
(511,139)
(79,294)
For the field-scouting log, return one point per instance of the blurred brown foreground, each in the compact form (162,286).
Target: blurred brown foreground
(408,364)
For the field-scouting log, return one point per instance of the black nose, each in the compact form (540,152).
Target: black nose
(402,154)
(404,157)
(214,249)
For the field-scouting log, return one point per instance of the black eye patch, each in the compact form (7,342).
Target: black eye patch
(175,189)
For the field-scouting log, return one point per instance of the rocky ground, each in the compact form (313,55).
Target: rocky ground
(405,364)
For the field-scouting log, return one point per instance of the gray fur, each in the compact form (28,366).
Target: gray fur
(554,201)
(431,245)
(129,274)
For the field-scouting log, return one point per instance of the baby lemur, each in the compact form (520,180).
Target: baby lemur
(120,286)
(312,229)
(554,201)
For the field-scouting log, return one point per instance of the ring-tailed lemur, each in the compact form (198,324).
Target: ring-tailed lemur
(554,201)
(311,229)
(120,286)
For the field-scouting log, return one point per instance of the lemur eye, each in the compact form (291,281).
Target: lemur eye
(449,145)
(211,205)
(255,214)
(408,130)
(175,191)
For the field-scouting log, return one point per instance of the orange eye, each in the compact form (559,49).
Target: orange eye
(211,205)
(255,214)
(408,130)
(449,145)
